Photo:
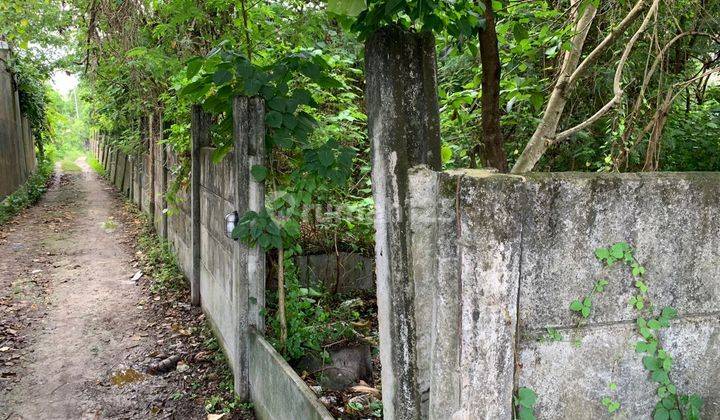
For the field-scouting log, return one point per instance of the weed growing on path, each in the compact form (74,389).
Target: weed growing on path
(95,164)
(70,166)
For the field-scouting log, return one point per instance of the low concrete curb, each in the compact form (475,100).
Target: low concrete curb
(276,390)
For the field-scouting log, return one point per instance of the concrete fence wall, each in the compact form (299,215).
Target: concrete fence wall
(476,271)
(17,147)
(509,254)
(227,278)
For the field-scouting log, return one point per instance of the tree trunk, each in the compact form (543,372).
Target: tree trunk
(546,132)
(547,128)
(493,151)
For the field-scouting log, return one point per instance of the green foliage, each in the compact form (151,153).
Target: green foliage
(461,19)
(28,194)
(611,405)
(95,164)
(583,306)
(657,361)
(224,74)
(35,97)
(159,260)
(315,319)
(524,402)
(552,334)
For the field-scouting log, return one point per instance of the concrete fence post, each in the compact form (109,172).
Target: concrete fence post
(163,182)
(248,262)
(105,151)
(123,175)
(200,130)
(151,165)
(404,128)
(114,165)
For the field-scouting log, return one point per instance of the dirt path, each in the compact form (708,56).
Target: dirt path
(75,330)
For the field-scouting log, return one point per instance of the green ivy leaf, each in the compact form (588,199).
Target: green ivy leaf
(641,286)
(650,363)
(526,397)
(669,312)
(326,157)
(259,173)
(277,103)
(576,306)
(193,67)
(526,414)
(660,376)
(222,76)
(446,153)
(661,414)
(520,32)
(274,119)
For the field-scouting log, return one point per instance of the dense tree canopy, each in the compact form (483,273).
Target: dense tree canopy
(534,85)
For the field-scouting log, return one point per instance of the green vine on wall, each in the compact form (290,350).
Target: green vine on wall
(656,360)
(649,324)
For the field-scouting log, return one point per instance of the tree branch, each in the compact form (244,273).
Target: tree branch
(617,81)
(609,40)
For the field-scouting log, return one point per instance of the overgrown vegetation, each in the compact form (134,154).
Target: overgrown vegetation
(649,324)
(95,164)
(158,259)
(317,320)
(28,194)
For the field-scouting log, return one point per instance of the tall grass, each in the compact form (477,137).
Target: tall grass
(95,164)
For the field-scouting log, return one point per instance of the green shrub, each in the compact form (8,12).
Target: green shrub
(28,194)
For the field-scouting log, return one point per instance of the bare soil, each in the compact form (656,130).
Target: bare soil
(77,335)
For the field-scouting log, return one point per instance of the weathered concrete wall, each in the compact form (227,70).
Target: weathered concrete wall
(160,185)
(342,272)
(231,274)
(276,389)
(507,255)
(217,291)
(17,149)
(178,222)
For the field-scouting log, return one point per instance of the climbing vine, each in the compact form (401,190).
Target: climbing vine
(649,324)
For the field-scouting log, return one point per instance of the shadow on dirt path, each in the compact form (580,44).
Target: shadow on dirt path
(73,325)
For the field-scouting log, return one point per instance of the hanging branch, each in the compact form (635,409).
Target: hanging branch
(609,40)
(553,111)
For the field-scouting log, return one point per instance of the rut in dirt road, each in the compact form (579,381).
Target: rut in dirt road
(75,330)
